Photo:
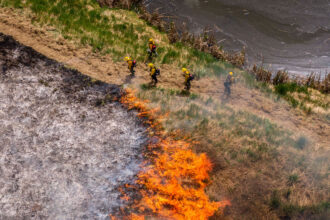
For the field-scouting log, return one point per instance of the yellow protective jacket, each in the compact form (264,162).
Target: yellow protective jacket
(151,44)
(152,71)
(186,75)
(229,79)
(130,64)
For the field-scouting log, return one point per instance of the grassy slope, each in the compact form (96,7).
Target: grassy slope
(254,158)
(119,34)
(264,169)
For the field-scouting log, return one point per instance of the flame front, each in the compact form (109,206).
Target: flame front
(173,184)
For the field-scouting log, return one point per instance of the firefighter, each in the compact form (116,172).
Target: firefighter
(228,82)
(188,78)
(152,48)
(131,64)
(154,72)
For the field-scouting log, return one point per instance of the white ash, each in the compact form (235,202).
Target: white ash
(61,156)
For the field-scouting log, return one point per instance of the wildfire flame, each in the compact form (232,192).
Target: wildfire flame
(173,184)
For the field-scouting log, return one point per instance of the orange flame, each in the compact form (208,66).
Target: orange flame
(173,185)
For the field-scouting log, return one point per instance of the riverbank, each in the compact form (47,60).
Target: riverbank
(281,35)
(269,159)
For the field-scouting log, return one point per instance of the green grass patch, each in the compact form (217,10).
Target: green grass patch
(289,210)
(299,96)
(85,21)
(292,179)
(170,56)
(285,88)
(258,137)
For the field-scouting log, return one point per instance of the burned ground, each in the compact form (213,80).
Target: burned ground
(66,147)
(265,175)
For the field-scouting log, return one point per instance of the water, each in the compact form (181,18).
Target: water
(291,35)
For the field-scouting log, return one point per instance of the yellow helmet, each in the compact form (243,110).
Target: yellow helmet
(127,58)
(231,73)
(184,70)
(151,40)
(151,65)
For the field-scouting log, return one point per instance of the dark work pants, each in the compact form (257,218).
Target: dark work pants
(132,70)
(154,79)
(188,85)
(227,89)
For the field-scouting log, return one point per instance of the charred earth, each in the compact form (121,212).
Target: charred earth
(65,147)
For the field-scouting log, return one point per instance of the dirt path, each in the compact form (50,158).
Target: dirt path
(48,41)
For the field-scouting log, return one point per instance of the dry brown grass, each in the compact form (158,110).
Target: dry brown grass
(316,81)
(261,74)
(126,4)
(206,43)
(253,158)
(281,77)
(320,82)
(173,34)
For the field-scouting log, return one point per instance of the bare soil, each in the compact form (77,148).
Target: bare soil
(315,127)
(50,43)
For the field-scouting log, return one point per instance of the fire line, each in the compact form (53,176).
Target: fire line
(172,185)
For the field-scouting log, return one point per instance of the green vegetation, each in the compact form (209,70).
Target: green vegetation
(285,88)
(255,151)
(238,140)
(120,33)
(275,200)
(289,210)
(258,138)
(112,31)
(293,179)
(298,95)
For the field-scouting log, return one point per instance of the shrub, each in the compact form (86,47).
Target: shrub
(284,88)
(280,78)
(292,179)
(262,74)
(18,4)
(275,201)
(301,142)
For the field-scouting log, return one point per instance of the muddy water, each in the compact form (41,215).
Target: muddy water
(292,35)
(65,147)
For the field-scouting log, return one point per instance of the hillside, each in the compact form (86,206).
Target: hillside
(270,160)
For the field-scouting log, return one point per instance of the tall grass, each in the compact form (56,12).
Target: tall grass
(113,31)
(120,33)
(238,141)
(241,138)
(196,114)
(300,95)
